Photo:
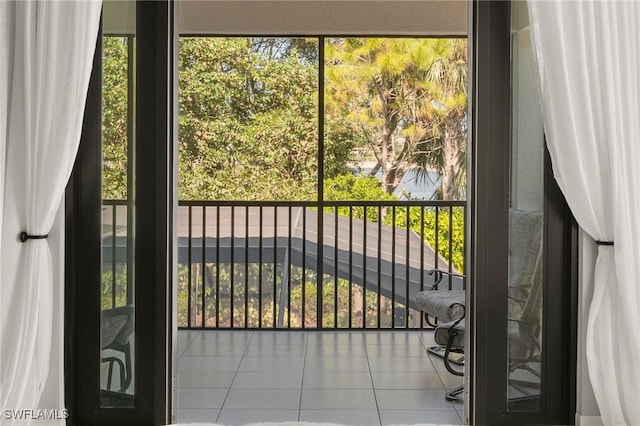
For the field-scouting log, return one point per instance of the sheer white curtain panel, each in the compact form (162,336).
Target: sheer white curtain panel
(47,55)
(6,54)
(588,56)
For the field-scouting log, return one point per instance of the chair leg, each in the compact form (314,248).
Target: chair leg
(113,360)
(109,377)
(456,394)
(124,385)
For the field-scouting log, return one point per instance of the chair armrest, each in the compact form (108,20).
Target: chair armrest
(438,275)
(445,305)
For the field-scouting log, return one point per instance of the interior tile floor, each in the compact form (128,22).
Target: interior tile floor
(349,377)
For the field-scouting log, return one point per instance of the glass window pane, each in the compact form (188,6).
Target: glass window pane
(117,362)
(525,302)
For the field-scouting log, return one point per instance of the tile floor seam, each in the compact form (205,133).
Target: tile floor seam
(373,386)
(234,376)
(304,363)
(186,347)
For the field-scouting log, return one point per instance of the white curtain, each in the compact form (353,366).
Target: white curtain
(588,56)
(47,55)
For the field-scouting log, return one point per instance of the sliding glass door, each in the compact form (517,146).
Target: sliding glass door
(118,227)
(523,277)
(120,252)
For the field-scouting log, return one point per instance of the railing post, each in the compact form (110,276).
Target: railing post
(320,207)
(284,286)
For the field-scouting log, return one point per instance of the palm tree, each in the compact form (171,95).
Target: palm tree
(407,98)
(440,126)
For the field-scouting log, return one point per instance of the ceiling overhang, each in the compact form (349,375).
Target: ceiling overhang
(439,18)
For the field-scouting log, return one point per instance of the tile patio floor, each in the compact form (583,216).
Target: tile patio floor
(349,377)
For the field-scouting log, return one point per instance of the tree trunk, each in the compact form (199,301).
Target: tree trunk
(393,168)
(451,154)
(376,168)
(395,175)
(385,159)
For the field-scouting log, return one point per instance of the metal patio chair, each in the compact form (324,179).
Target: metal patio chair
(524,303)
(117,328)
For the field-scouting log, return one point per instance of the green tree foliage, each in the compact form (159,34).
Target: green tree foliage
(108,282)
(450,228)
(114,118)
(248,120)
(248,113)
(447,77)
(407,100)
(351,187)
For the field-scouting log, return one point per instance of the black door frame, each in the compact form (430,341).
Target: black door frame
(489,202)
(153,195)
(489,164)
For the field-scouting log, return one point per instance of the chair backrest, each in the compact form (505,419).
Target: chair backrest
(532,309)
(117,325)
(525,247)
(525,279)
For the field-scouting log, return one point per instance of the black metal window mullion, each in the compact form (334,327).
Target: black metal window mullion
(189,270)
(407,264)
(275,264)
(379,269)
(246,266)
(422,258)
(335,268)
(232,268)
(436,235)
(320,225)
(114,271)
(364,267)
(304,267)
(203,265)
(218,266)
(288,266)
(393,267)
(260,268)
(450,248)
(350,298)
